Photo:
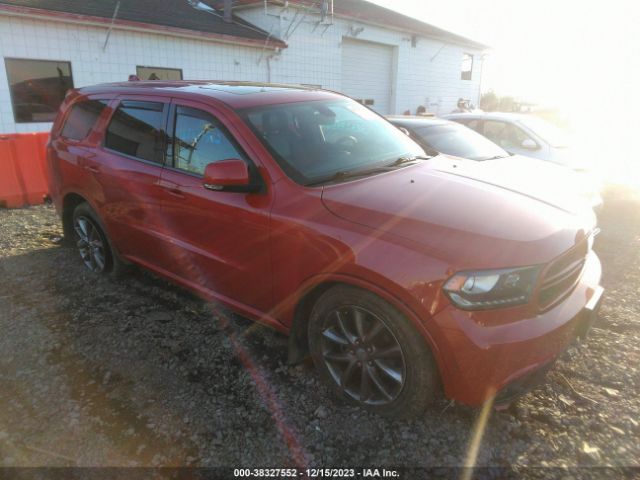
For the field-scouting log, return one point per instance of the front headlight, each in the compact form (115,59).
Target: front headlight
(487,289)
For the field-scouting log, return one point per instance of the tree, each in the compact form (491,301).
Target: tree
(489,101)
(508,104)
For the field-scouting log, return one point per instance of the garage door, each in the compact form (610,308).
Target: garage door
(367,72)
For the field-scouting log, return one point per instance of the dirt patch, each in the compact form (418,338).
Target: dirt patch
(139,372)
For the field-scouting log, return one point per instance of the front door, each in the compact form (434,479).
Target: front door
(510,137)
(219,241)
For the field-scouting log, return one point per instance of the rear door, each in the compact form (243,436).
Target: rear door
(125,173)
(219,240)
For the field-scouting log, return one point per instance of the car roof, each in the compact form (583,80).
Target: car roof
(507,116)
(416,120)
(234,93)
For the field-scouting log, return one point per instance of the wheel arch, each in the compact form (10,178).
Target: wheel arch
(313,288)
(69,203)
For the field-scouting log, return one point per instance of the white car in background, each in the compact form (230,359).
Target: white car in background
(494,164)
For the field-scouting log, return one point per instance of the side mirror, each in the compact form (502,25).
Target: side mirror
(529,144)
(228,176)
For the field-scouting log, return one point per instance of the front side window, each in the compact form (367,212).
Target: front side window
(37,87)
(82,117)
(313,141)
(158,73)
(136,130)
(460,141)
(467,66)
(506,135)
(199,140)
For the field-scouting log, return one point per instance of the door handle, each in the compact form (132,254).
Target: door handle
(92,168)
(175,192)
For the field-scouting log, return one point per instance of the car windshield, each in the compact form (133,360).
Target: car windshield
(454,139)
(554,136)
(314,141)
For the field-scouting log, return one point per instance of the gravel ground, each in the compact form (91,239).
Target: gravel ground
(95,372)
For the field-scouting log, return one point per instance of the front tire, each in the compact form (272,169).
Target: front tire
(370,354)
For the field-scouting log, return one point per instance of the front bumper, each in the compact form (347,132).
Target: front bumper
(597,205)
(529,381)
(478,362)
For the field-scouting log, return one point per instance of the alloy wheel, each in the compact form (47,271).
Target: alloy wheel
(90,244)
(362,355)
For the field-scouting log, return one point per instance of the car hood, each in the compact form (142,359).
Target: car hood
(554,184)
(459,217)
(574,157)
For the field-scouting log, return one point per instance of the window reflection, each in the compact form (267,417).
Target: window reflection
(38,87)
(200,141)
(158,73)
(135,130)
(82,118)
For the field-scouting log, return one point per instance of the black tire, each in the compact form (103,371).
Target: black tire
(93,244)
(396,384)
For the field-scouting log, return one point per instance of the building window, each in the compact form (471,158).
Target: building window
(467,66)
(81,119)
(37,88)
(136,130)
(158,73)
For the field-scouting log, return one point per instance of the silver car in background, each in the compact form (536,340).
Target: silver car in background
(523,134)
(495,163)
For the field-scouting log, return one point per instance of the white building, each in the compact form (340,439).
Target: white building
(386,60)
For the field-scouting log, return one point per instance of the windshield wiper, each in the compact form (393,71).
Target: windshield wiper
(343,174)
(495,157)
(409,159)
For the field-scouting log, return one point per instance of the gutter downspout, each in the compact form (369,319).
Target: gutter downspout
(483,57)
(268,68)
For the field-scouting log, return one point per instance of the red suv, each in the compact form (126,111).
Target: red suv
(303,210)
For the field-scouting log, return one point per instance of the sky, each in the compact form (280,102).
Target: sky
(582,56)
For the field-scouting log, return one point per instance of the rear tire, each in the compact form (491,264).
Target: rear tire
(370,354)
(93,244)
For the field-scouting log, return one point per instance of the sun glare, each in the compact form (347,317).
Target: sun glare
(580,58)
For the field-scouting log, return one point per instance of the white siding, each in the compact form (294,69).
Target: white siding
(426,73)
(82,46)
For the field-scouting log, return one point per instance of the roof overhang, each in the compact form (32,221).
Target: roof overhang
(66,17)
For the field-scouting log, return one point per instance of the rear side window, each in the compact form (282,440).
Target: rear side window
(474,125)
(81,119)
(136,130)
